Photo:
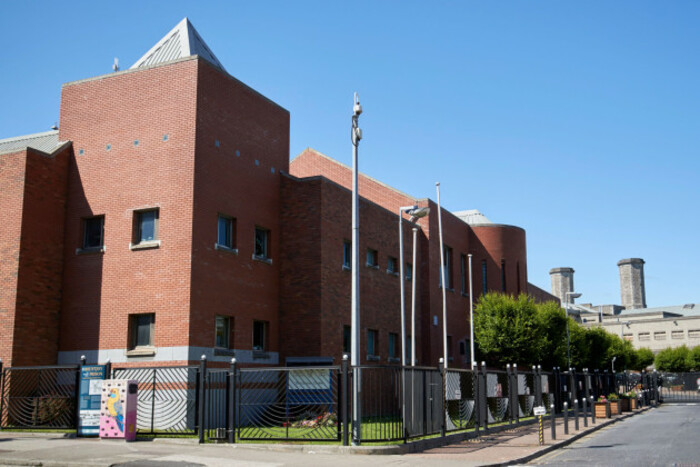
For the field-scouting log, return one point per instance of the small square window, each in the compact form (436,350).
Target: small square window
(372,258)
(371,342)
(260,335)
(391,265)
(226,232)
(262,243)
(409,271)
(93,232)
(142,330)
(223,332)
(347,254)
(145,226)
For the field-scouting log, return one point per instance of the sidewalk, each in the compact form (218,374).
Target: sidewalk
(517,445)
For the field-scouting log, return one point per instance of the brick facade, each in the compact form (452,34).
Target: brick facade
(189,140)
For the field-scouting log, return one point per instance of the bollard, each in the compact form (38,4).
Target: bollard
(576,414)
(566,418)
(585,412)
(592,411)
(541,430)
(553,415)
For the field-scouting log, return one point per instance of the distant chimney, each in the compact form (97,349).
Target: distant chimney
(632,291)
(562,282)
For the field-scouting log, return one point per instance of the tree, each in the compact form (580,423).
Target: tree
(507,330)
(673,360)
(552,323)
(694,359)
(645,358)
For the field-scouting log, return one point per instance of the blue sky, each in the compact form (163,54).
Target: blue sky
(576,121)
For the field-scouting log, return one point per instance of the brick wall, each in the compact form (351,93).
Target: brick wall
(242,145)
(112,175)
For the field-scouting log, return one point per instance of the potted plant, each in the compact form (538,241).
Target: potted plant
(629,401)
(615,405)
(602,407)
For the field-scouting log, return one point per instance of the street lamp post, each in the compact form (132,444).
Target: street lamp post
(355,137)
(416,213)
(568,295)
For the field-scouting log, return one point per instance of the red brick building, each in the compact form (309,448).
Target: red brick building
(164,221)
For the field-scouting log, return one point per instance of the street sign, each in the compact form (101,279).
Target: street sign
(539,410)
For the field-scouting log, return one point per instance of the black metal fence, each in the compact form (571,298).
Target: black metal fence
(315,403)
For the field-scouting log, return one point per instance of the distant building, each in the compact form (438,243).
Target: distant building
(654,328)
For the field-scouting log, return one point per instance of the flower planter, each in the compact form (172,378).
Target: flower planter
(602,409)
(629,404)
(615,407)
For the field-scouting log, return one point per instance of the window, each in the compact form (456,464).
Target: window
(449,348)
(677,334)
(372,258)
(260,335)
(347,339)
(409,271)
(145,226)
(462,348)
(628,337)
(694,334)
(93,232)
(644,336)
(503,275)
(463,272)
(142,330)
(391,265)
(371,343)
(347,254)
(226,232)
(223,332)
(484,284)
(447,252)
(660,336)
(393,345)
(262,243)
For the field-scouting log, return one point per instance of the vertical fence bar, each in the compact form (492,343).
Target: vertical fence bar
(232,402)
(484,395)
(2,394)
(344,399)
(201,391)
(516,392)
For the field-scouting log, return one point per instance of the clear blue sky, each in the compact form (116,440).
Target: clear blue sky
(575,120)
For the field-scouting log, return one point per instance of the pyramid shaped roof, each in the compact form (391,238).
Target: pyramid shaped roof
(182,41)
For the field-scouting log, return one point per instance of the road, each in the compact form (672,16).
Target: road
(669,435)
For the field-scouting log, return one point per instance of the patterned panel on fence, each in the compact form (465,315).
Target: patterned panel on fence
(166,400)
(497,396)
(38,397)
(460,400)
(526,394)
(288,403)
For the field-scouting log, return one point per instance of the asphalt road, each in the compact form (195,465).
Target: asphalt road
(669,435)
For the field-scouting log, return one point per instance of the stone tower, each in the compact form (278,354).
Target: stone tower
(562,282)
(632,283)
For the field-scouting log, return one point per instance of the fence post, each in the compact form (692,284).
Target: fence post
(76,394)
(556,389)
(572,381)
(484,396)
(566,417)
(441,368)
(553,416)
(586,393)
(201,392)
(344,399)
(477,397)
(516,392)
(2,393)
(655,384)
(232,402)
(509,394)
(108,369)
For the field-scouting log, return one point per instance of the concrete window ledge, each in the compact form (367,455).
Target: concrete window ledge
(144,245)
(373,358)
(262,259)
(226,249)
(90,251)
(141,352)
(220,352)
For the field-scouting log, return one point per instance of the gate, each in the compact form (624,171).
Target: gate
(38,397)
(680,387)
(167,399)
(288,403)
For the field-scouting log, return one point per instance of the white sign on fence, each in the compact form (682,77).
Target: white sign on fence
(539,410)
